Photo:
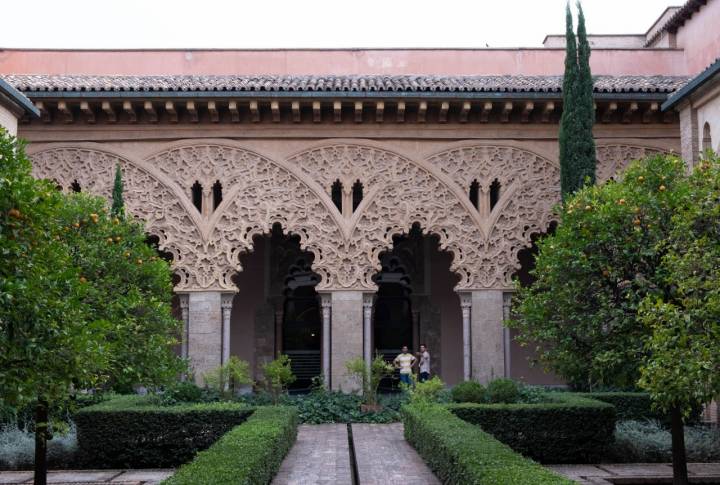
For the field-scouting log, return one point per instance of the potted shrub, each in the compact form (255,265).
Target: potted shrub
(370,379)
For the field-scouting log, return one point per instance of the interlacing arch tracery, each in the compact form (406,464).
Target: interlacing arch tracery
(397,192)
(147,196)
(613,159)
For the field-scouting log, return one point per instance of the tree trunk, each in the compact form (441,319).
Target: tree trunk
(41,435)
(680,473)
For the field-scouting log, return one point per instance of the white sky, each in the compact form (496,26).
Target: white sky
(307,23)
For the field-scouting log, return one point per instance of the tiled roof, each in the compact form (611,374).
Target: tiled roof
(361,84)
(10,95)
(708,75)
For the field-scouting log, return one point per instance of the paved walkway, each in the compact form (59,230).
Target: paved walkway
(126,477)
(384,457)
(321,455)
(607,474)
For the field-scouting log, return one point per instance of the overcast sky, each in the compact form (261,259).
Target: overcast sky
(307,23)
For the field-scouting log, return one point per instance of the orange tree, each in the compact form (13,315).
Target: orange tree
(593,273)
(683,363)
(76,310)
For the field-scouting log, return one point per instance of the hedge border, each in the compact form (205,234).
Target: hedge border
(249,454)
(566,428)
(135,432)
(459,452)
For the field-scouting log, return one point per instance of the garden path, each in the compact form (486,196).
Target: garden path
(374,454)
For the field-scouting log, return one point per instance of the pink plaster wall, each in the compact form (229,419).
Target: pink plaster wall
(700,38)
(323,62)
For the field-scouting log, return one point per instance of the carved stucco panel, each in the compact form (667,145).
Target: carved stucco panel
(614,159)
(147,197)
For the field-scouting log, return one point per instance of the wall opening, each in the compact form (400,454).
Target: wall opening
(336,194)
(75,186)
(707,137)
(197,195)
(357,194)
(475,193)
(495,188)
(217,194)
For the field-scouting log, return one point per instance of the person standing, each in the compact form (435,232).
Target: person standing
(404,361)
(424,363)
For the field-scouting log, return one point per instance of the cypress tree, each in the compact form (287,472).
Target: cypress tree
(118,205)
(585,109)
(577,146)
(568,123)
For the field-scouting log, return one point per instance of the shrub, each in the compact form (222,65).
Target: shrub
(564,429)
(469,391)
(337,407)
(428,391)
(229,377)
(278,375)
(461,453)
(637,406)
(649,442)
(132,432)
(249,454)
(370,381)
(17,448)
(503,391)
(185,391)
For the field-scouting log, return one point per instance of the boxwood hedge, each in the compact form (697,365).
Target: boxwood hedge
(566,429)
(132,432)
(249,454)
(459,452)
(628,405)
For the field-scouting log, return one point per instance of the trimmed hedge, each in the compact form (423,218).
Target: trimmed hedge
(132,432)
(634,406)
(249,454)
(566,429)
(459,452)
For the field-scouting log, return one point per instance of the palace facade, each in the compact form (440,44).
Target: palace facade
(330,204)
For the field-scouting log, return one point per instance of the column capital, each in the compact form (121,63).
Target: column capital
(326,299)
(184,300)
(368,299)
(226,300)
(465,299)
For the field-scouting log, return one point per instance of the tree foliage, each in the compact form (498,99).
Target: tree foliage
(577,145)
(278,375)
(369,375)
(594,272)
(683,364)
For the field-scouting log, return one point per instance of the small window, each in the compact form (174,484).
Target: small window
(357,194)
(217,194)
(495,188)
(197,193)
(475,193)
(707,137)
(336,194)
(75,186)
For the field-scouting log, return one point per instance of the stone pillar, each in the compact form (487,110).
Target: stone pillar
(325,303)
(226,302)
(205,325)
(507,304)
(184,306)
(486,335)
(689,135)
(346,336)
(367,329)
(465,306)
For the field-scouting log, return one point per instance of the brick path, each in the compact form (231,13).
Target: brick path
(87,477)
(385,458)
(321,455)
(657,472)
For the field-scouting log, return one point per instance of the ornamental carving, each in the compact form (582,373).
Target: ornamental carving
(614,159)
(257,192)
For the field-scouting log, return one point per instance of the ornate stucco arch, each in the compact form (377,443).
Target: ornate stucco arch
(148,195)
(258,192)
(613,158)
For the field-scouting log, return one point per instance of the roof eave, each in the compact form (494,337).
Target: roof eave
(693,85)
(18,100)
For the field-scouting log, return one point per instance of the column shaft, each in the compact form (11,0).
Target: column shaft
(486,330)
(465,306)
(325,302)
(226,304)
(367,328)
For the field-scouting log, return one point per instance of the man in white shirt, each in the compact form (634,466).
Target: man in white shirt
(404,362)
(424,363)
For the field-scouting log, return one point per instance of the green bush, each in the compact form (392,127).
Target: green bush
(461,453)
(505,391)
(637,406)
(133,432)
(649,442)
(565,429)
(469,391)
(249,454)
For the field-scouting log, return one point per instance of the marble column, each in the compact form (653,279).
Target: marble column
(326,305)
(507,305)
(486,335)
(367,329)
(183,298)
(205,326)
(226,302)
(346,336)
(465,307)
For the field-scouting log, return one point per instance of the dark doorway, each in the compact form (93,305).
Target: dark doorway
(302,324)
(393,316)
